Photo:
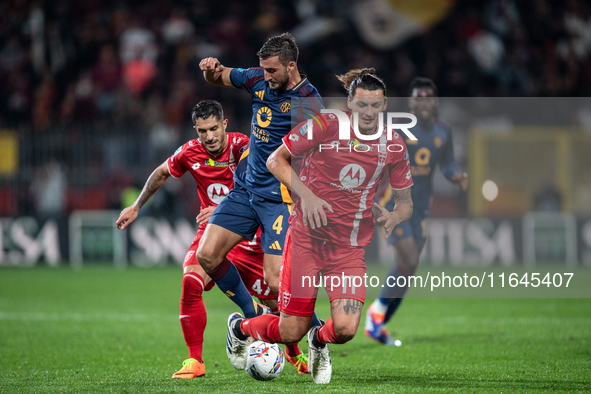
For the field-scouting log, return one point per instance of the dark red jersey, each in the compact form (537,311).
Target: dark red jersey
(345,173)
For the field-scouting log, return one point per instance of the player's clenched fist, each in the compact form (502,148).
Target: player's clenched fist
(211,64)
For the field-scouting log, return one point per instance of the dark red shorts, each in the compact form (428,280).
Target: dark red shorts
(342,267)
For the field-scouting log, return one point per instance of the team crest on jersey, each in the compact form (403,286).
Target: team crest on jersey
(264,116)
(405,156)
(395,135)
(286,298)
(352,176)
(217,192)
(437,141)
(189,255)
(214,163)
(285,107)
(242,149)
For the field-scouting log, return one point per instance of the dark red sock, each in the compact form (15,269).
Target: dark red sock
(193,316)
(327,334)
(264,328)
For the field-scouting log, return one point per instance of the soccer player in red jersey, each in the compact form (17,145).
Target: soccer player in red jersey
(332,221)
(211,159)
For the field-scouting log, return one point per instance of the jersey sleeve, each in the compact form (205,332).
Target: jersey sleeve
(446,160)
(175,162)
(240,145)
(400,176)
(297,141)
(246,78)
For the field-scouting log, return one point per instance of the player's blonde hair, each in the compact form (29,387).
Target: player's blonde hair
(364,78)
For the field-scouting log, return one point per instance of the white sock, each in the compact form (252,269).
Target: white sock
(379,307)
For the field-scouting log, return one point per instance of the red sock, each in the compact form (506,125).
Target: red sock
(327,334)
(292,350)
(264,328)
(193,316)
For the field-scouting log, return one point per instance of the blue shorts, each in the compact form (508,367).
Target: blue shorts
(243,212)
(413,227)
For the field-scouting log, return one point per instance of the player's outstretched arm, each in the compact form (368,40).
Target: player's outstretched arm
(154,182)
(401,212)
(460,179)
(215,73)
(279,163)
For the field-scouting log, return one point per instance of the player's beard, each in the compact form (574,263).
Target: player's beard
(217,151)
(281,84)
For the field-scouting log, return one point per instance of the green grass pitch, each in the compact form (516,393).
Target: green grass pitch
(107,330)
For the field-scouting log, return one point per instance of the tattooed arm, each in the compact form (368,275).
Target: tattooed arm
(154,182)
(401,212)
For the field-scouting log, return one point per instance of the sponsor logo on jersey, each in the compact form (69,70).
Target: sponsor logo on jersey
(359,146)
(275,246)
(408,175)
(178,151)
(352,176)
(217,192)
(304,129)
(196,166)
(260,94)
(405,156)
(285,107)
(294,137)
(264,116)
(214,163)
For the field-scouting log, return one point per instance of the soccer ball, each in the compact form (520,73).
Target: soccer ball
(265,361)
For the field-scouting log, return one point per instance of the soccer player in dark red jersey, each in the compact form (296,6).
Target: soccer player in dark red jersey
(332,221)
(433,147)
(211,159)
(259,199)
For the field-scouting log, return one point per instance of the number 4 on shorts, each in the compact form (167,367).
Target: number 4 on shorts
(278,225)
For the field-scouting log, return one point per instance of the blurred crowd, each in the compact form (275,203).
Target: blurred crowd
(126,72)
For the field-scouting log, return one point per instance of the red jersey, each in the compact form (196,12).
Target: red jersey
(345,173)
(214,175)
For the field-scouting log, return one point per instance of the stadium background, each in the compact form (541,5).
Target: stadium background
(95,94)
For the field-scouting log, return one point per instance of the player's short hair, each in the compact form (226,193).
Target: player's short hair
(206,108)
(364,78)
(283,45)
(422,82)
